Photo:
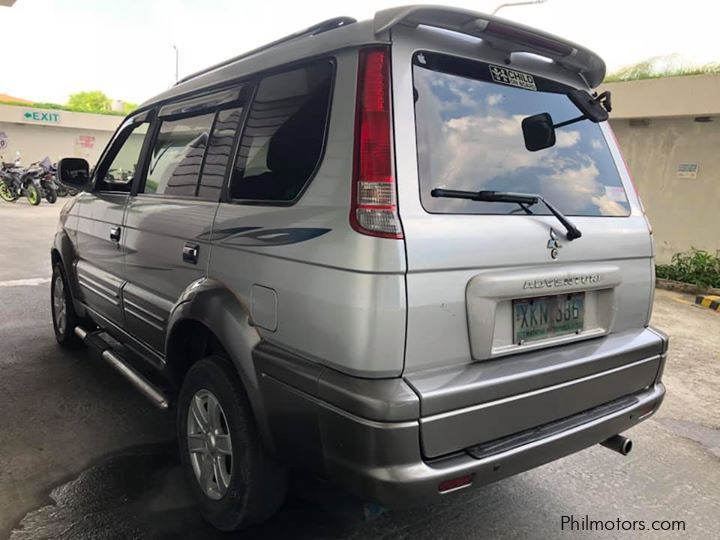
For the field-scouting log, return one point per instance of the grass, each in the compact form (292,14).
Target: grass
(696,266)
(662,66)
(58,107)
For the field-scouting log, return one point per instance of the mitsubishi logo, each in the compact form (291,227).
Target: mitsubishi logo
(554,244)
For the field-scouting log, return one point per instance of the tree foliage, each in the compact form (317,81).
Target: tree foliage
(91,101)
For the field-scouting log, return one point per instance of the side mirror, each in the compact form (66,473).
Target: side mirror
(74,172)
(538,131)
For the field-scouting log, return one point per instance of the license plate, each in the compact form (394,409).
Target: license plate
(547,316)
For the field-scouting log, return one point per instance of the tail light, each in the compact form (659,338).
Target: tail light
(373,210)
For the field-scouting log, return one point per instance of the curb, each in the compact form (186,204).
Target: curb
(708,301)
(687,288)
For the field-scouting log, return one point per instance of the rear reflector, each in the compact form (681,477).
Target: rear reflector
(647,411)
(373,210)
(446,486)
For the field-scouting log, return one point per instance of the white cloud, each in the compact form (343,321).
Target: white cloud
(494,99)
(573,184)
(609,207)
(566,139)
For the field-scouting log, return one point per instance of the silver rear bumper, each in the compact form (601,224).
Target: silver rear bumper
(367,435)
(417,481)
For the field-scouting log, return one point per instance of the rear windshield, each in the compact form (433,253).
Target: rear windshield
(469,137)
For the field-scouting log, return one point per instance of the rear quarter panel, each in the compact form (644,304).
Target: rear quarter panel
(340,296)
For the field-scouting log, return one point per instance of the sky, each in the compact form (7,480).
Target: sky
(52,48)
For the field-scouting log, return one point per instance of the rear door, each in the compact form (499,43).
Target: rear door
(168,223)
(489,280)
(100,240)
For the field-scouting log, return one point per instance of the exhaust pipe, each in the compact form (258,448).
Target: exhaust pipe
(618,443)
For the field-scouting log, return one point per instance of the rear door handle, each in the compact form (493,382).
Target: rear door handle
(115,234)
(190,253)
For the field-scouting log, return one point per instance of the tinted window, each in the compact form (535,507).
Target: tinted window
(218,153)
(283,136)
(469,137)
(120,172)
(177,156)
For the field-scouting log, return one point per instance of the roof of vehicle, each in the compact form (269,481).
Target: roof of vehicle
(344,32)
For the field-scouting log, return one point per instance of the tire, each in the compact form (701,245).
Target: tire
(33,195)
(243,486)
(5,193)
(65,319)
(51,196)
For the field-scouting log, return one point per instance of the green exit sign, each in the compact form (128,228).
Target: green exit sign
(42,116)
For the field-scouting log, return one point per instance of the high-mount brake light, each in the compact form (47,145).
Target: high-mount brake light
(373,210)
(524,37)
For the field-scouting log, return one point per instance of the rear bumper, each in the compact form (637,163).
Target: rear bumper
(416,481)
(368,435)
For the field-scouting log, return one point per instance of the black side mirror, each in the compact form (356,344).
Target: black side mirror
(538,131)
(74,172)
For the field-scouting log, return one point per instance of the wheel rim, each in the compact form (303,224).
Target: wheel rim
(58,302)
(5,192)
(32,195)
(209,444)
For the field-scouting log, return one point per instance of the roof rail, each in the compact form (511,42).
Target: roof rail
(500,33)
(315,29)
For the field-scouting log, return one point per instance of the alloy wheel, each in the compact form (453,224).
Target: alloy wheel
(209,444)
(58,304)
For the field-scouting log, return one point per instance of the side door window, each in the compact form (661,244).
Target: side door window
(177,156)
(284,135)
(119,169)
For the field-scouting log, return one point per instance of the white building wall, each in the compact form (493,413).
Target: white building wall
(55,134)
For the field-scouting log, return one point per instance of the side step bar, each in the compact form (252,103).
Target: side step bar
(117,362)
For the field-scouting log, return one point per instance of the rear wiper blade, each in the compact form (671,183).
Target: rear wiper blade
(507,197)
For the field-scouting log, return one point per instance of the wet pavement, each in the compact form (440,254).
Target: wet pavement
(82,455)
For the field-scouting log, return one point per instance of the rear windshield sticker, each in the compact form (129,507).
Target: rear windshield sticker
(615,193)
(512,78)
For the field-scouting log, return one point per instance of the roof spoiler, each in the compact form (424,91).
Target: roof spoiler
(500,34)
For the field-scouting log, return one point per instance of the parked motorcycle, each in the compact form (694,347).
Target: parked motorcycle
(18,181)
(46,175)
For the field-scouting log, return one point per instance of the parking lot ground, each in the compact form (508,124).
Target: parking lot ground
(83,455)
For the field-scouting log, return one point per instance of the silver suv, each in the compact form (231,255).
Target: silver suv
(403,255)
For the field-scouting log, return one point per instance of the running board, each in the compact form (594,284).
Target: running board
(116,361)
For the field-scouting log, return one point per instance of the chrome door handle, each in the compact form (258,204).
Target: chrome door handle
(190,253)
(115,234)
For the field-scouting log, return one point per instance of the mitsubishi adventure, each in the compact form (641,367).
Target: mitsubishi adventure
(403,256)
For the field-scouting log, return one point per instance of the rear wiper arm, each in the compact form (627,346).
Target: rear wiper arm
(507,197)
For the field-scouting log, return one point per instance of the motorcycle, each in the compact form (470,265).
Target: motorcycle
(17,181)
(46,176)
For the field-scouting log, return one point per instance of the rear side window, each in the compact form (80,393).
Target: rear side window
(284,133)
(218,153)
(469,137)
(177,156)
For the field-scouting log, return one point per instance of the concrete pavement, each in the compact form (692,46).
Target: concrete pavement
(83,455)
